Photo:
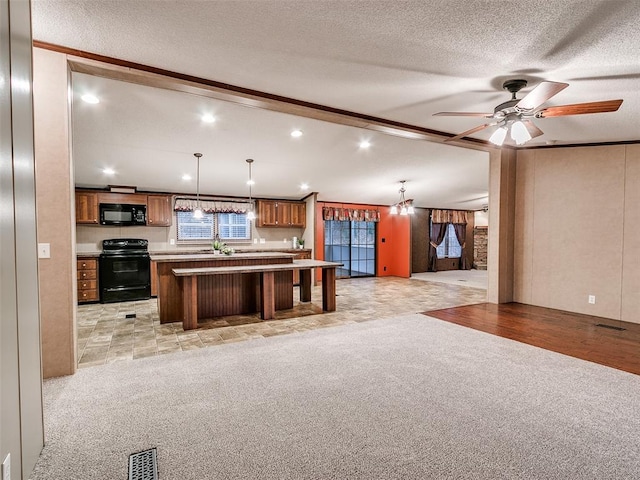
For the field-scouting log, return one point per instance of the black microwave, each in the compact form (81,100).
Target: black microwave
(122,214)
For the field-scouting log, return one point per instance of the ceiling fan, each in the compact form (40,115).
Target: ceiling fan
(515,115)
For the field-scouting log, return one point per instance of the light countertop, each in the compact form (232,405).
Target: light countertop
(210,256)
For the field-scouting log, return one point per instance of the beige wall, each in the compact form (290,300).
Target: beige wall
(502,185)
(55,210)
(21,420)
(631,239)
(577,229)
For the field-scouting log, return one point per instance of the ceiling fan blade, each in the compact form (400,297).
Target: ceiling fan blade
(469,132)
(463,114)
(543,92)
(533,130)
(580,109)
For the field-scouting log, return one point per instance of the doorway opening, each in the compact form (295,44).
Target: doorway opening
(352,243)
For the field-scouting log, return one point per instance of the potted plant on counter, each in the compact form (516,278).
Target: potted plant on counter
(218,247)
(301,243)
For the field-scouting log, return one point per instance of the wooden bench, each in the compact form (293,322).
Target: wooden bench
(189,280)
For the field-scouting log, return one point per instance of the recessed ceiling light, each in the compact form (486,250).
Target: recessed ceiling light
(296,133)
(365,144)
(208,118)
(304,186)
(108,171)
(89,98)
(186,177)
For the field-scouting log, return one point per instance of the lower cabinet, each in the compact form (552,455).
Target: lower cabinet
(154,278)
(87,273)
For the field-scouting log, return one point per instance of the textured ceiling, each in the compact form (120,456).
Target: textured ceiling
(399,60)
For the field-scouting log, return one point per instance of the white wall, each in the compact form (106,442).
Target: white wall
(481,219)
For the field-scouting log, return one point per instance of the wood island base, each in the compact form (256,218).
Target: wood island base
(188,278)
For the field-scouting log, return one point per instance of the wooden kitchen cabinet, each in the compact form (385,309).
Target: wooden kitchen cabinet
(154,278)
(272,213)
(159,210)
(126,198)
(299,214)
(87,276)
(267,213)
(87,208)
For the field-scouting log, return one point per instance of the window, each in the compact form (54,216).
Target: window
(194,229)
(450,247)
(228,226)
(234,226)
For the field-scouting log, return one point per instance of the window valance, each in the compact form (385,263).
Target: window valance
(351,214)
(449,216)
(209,206)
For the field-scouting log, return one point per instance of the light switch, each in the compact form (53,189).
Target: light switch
(44,250)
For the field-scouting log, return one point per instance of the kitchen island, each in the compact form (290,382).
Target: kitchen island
(193,287)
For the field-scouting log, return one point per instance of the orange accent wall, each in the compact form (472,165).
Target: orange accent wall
(394,253)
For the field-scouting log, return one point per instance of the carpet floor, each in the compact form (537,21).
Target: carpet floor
(409,397)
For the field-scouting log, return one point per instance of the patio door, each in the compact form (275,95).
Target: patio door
(353,244)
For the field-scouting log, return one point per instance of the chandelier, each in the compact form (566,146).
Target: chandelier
(404,207)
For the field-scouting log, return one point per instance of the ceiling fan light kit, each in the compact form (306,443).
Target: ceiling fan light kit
(514,116)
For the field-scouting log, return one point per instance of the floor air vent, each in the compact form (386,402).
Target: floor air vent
(143,465)
(610,326)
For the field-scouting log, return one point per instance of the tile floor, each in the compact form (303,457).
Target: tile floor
(106,335)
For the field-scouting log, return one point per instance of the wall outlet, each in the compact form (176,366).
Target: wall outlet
(263,240)
(284,241)
(6,468)
(592,299)
(172,241)
(255,240)
(44,251)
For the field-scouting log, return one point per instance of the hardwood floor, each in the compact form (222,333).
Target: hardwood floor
(571,334)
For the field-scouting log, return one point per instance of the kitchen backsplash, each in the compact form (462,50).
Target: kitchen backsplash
(89,238)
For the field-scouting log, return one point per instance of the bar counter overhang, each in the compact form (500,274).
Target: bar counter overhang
(193,287)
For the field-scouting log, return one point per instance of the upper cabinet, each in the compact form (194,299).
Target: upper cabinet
(87,208)
(159,210)
(275,213)
(158,206)
(299,214)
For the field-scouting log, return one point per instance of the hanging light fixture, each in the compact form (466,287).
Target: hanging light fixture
(519,133)
(251,215)
(515,128)
(197,213)
(404,207)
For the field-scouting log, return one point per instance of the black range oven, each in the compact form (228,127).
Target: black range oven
(125,272)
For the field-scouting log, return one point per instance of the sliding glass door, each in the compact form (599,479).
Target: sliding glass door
(353,244)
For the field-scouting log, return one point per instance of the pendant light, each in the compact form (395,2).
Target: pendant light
(251,215)
(197,213)
(404,207)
